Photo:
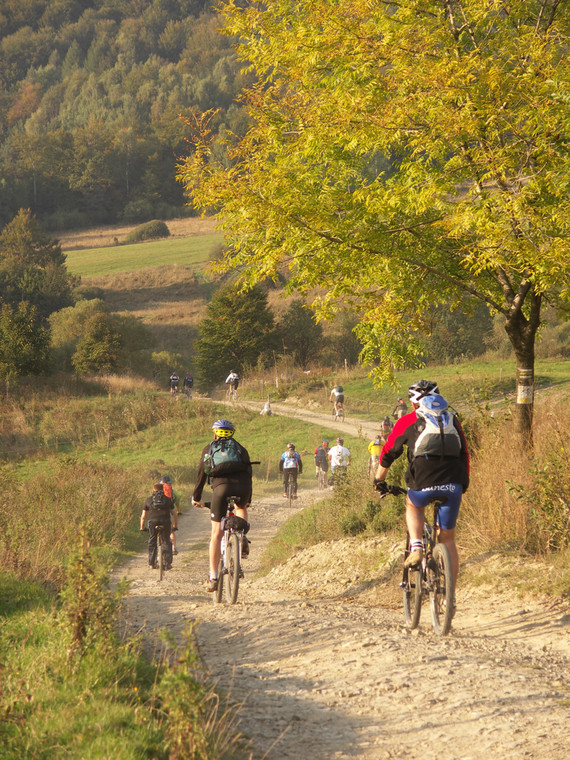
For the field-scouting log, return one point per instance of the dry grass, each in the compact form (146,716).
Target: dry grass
(101,237)
(518,496)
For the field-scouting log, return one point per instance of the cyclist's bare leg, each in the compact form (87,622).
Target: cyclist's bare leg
(414,521)
(215,547)
(447,537)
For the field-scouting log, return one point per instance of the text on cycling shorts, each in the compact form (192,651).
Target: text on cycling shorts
(449,493)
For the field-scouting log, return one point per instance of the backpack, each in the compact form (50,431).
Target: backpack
(438,436)
(224,458)
(159,500)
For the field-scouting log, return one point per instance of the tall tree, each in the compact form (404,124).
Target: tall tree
(237,331)
(299,334)
(402,155)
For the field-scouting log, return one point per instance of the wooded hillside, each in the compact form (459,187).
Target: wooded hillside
(90,95)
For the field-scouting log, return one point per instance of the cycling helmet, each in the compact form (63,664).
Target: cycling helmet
(340,440)
(165,479)
(223,428)
(291,446)
(422,388)
(326,442)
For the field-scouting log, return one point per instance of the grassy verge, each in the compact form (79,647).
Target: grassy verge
(71,688)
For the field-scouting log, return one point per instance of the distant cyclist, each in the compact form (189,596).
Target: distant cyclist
(374,449)
(188,383)
(166,483)
(158,509)
(400,409)
(233,381)
(174,381)
(290,465)
(322,458)
(386,427)
(339,457)
(337,397)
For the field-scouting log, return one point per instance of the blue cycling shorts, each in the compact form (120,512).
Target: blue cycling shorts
(451,494)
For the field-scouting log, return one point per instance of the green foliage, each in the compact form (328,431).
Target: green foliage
(398,159)
(457,334)
(99,347)
(238,330)
(32,267)
(299,334)
(24,342)
(92,95)
(90,339)
(148,231)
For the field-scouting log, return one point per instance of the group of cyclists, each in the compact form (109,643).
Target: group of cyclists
(429,475)
(174,383)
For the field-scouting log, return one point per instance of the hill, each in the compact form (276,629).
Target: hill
(92,95)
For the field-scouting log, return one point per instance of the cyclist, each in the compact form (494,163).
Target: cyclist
(233,381)
(174,381)
(171,493)
(237,483)
(386,427)
(337,397)
(374,449)
(187,383)
(339,457)
(400,409)
(322,458)
(427,476)
(159,510)
(290,465)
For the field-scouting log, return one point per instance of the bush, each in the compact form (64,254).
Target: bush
(148,231)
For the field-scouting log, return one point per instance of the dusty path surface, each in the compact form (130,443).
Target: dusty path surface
(318,652)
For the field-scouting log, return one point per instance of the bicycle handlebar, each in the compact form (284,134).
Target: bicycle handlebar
(385,489)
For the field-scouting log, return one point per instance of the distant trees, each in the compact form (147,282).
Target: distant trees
(32,267)
(237,331)
(24,341)
(91,95)
(299,334)
(87,338)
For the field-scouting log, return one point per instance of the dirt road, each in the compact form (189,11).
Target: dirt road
(318,652)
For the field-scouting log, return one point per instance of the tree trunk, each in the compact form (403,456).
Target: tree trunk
(522,334)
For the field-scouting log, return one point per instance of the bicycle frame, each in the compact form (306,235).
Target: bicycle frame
(229,566)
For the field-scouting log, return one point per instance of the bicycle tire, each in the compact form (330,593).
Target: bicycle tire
(441,590)
(233,568)
(322,479)
(160,556)
(412,597)
(219,592)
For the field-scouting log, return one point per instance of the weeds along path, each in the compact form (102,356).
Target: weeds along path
(318,654)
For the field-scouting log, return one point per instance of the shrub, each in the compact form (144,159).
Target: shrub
(148,231)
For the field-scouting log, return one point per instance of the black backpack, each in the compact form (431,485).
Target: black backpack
(159,500)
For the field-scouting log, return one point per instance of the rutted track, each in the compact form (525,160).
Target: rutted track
(328,673)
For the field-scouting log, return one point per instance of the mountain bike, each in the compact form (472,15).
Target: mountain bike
(160,562)
(373,465)
(433,577)
(232,394)
(322,478)
(229,566)
(290,489)
(338,411)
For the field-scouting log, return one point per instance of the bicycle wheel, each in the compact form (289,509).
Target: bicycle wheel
(412,596)
(290,491)
(322,479)
(160,555)
(441,590)
(232,575)
(219,593)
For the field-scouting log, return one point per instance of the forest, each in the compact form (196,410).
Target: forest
(91,95)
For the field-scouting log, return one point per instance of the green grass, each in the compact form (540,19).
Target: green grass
(191,252)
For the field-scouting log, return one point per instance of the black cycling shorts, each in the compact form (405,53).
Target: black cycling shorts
(340,398)
(220,493)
